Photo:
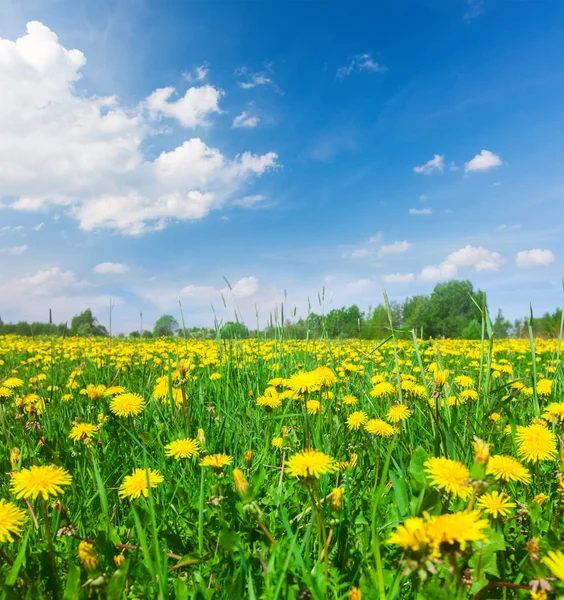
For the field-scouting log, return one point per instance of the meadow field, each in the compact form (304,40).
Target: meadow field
(281,469)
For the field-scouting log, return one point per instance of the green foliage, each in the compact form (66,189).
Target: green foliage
(166,326)
(234,331)
(85,324)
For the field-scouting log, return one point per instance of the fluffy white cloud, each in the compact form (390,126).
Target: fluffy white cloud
(110,268)
(245,120)
(437,163)
(38,227)
(15,250)
(527,259)
(395,248)
(399,278)
(484,161)
(245,287)
(358,286)
(202,292)
(358,63)
(477,258)
(85,153)
(191,110)
(360,253)
(198,74)
(420,211)
(442,272)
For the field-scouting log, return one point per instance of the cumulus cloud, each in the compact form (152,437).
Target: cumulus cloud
(437,163)
(528,259)
(395,248)
(110,268)
(245,287)
(484,161)
(86,153)
(359,63)
(358,286)
(399,278)
(15,250)
(420,211)
(245,120)
(198,74)
(475,258)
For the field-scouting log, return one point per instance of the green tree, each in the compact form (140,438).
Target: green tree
(147,335)
(134,334)
(501,326)
(85,324)
(166,326)
(472,331)
(234,331)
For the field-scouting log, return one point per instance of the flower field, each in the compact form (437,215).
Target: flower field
(281,469)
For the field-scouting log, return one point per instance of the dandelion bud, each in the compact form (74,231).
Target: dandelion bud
(337,498)
(540,499)
(532,547)
(441,377)
(118,560)
(201,437)
(241,484)
(481,450)
(249,455)
(285,432)
(353,461)
(15,457)
(354,594)
(87,555)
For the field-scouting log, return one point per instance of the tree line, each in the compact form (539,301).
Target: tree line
(452,310)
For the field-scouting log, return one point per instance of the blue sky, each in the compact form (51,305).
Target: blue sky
(149,149)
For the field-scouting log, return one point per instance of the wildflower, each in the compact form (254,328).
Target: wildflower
(354,594)
(138,483)
(126,405)
(215,376)
(249,455)
(184,448)
(507,468)
(118,560)
(540,499)
(412,535)
(13,382)
(285,432)
(277,442)
(481,450)
(450,475)
(453,532)
(540,595)
(350,400)
(382,389)
(544,387)
(555,410)
(216,461)
(555,562)
(94,392)
(11,520)
(536,442)
(305,383)
(440,377)
(41,481)
(241,484)
(82,431)
(15,457)
(467,395)
(464,381)
(357,419)
(380,428)
(495,417)
(87,555)
(353,461)
(310,464)
(496,504)
(398,412)
(313,407)
(326,376)
(337,498)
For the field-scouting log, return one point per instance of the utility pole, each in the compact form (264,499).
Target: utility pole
(111,308)
(140,324)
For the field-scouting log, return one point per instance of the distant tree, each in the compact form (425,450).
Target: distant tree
(166,326)
(147,335)
(501,326)
(472,331)
(85,324)
(233,331)
(134,334)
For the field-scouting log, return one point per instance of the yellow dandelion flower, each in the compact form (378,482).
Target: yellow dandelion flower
(411,535)
(337,497)
(380,428)
(554,560)
(382,389)
(554,411)
(398,413)
(496,504)
(464,381)
(326,375)
(313,407)
(249,456)
(183,448)
(536,442)
(277,442)
(453,532)
(440,378)
(481,450)
(544,387)
(449,475)
(82,431)
(241,484)
(11,520)
(87,555)
(507,468)
(12,382)
(357,419)
(126,405)
(118,560)
(354,594)
(350,400)
(216,461)
(137,484)
(540,499)
(41,481)
(304,383)
(495,417)
(467,395)
(310,464)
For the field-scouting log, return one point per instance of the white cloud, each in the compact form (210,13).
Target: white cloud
(11,228)
(253,201)
(375,239)
(110,268)
(245,120)
(191,110)
(399,278)
(437,163)
(360,253)
(442,272)
(245,287)
(48,281)
(484,161)
(198,74)
(360,62)
(361,285)
(86,153)
(38,227)
(504,226)
(478,258)
(423,197)
(395,248)
(15,250)
(420,211)
(257,79)
(527,259)
(202,292)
